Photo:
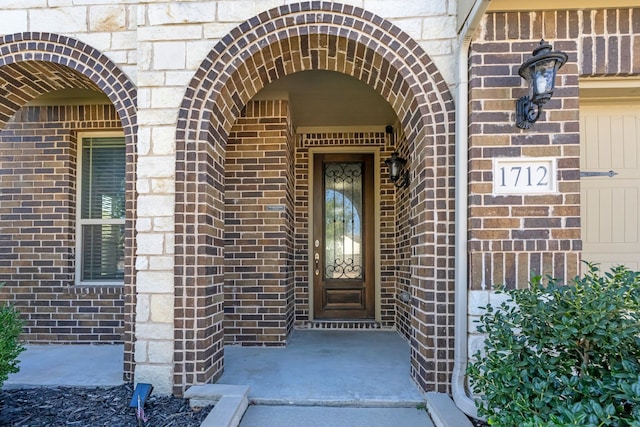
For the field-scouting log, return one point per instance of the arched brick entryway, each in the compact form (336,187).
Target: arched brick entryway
(33,64)
(292,38)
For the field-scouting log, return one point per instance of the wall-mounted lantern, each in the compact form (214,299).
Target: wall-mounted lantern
(397,174)
(540,73)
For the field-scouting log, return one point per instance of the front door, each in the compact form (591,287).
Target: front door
(343,242)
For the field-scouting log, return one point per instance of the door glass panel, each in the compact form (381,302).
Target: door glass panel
(343,221)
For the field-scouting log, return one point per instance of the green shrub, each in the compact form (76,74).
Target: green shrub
(10,346)
(562,355)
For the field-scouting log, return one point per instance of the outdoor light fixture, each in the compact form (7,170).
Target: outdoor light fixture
(540,73)
(397,174)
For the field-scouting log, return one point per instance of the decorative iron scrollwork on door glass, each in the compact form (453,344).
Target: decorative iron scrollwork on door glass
(343,220)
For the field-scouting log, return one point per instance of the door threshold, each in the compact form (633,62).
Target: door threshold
(363,324)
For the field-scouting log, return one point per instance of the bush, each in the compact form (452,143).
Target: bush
(10,346)
(563,355)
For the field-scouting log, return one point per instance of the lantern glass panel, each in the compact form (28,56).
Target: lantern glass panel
(544,76)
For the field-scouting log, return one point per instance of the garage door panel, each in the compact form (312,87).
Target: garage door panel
(610,206)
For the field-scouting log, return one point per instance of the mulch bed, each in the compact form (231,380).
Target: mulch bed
(88,407)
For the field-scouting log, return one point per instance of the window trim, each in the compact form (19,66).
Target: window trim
(79,222)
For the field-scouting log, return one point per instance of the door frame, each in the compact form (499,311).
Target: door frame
(376,219)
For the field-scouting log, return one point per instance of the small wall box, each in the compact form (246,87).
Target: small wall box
(525,175)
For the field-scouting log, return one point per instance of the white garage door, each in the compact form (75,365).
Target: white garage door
(610,206)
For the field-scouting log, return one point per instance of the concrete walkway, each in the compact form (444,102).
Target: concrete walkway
(68,365)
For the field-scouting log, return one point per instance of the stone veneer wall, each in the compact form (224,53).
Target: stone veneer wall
(513,237)
(38,170)
(259,226)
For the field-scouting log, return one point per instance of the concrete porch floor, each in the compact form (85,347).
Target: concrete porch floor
(329,368)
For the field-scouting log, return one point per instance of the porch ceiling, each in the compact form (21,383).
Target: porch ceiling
(327,98)
(23,82)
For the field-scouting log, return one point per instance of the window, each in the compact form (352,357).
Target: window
(101,213)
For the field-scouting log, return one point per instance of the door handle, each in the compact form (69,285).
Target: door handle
(316,257)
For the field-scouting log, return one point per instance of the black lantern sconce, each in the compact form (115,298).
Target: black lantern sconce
(540,73)
(397,174)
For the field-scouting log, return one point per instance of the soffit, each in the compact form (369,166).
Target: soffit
(327,98)
(511,5)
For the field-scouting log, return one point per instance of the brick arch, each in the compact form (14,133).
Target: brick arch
(32,64)
(282,41)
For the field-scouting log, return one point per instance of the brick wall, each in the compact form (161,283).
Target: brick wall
(37,228)
(512,237)
(259,226)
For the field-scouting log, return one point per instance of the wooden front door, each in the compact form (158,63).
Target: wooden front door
(343,242)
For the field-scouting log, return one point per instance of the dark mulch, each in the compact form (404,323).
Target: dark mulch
(88,407)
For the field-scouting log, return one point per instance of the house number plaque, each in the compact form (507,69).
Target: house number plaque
(526,175)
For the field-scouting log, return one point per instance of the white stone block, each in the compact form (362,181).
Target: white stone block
(142,262)
(475,300)
(24,4)
(163,224)
(475,343)
(241,10)
(405,8)
(155,281)
(158,117)
(154,330)
(178,78)
(169,55)
(144,97)
(216,30)
(164,140)
(181,12)
(162,308)
(143,311)
(59,19)
(155,205)
(144,224)
(438,28)
(473,322)
(150,244)
(411,26)
(170,244)
(117,56)
(140,351)
(156,166)
(109,18)
(163,97)
(160,351)
(163,186)
(442,47)
(496,299)
(13,21)
(151,78)
(99,41)
(197,52)
(170,33)
(143,186)
(145,56)
(161,263)
(130,70)
(123,40)
(160,376)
